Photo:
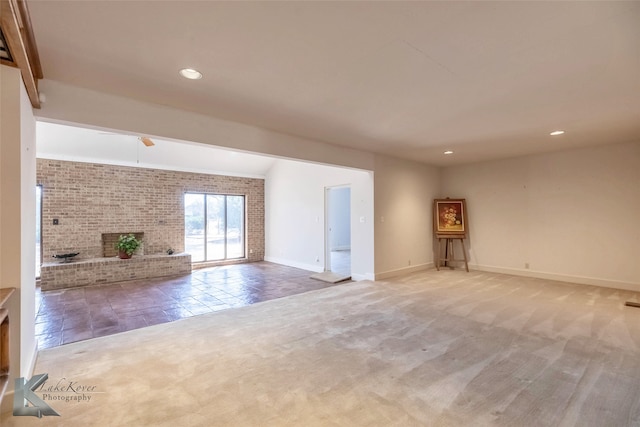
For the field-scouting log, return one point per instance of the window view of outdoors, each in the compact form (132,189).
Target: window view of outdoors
(214,226)
(38,228)
(194,226)
(235,227)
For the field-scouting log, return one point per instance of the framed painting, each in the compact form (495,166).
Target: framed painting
(450,218)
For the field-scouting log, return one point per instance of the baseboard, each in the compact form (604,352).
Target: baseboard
(615,284)
(360,277)
(405,270)
(290,263)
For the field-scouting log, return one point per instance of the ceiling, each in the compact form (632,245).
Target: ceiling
(72,143)
(409,79)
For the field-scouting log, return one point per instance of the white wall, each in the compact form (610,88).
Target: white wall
(17,220)
(404,193)
(295,215)
(339,218)
(27,231)
(570,215)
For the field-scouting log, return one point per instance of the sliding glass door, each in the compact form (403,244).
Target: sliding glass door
(38,229)
(214,226)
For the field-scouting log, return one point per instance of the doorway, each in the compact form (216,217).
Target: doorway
(338,230)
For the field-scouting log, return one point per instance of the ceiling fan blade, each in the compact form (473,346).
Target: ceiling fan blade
(147,141)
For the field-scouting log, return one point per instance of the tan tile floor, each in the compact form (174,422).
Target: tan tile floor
(71,315)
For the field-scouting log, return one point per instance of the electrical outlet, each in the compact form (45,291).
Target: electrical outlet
(250,251)
(526,265)
(317,259)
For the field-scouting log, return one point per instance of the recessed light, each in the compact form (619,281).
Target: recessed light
(448,152)
(190,73)
(556,132)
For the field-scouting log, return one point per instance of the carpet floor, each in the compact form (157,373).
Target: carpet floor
(444,348)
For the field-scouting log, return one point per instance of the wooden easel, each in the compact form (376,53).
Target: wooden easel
(449,255)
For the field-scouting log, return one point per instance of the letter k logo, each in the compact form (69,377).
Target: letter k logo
(24,394)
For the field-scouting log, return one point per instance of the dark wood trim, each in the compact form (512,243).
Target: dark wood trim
(8,63)
(30,40)
(16,26)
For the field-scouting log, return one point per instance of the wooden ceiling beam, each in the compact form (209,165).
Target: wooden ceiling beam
(16,26)
(32,50)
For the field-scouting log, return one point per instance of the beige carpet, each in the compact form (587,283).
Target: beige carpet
(441,348)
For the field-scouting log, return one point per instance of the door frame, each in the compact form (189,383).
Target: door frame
(327,223)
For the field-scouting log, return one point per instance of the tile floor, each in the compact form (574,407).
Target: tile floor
(71,315)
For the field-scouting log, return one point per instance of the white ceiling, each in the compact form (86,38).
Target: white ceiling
(409,79)
(61,142)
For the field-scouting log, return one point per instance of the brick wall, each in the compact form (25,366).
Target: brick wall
(90,199)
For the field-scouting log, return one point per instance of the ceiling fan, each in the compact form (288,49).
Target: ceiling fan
(144,139)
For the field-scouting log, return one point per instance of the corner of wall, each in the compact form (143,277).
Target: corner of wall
(290,263)
(404,270)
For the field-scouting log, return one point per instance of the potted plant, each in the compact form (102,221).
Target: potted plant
(127,245)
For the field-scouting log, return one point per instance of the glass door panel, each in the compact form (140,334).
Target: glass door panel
(216,226)
(235,227)
(194,226)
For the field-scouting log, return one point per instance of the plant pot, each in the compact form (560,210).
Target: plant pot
(123,255)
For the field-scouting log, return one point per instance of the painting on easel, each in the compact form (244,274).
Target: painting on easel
(449,217)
